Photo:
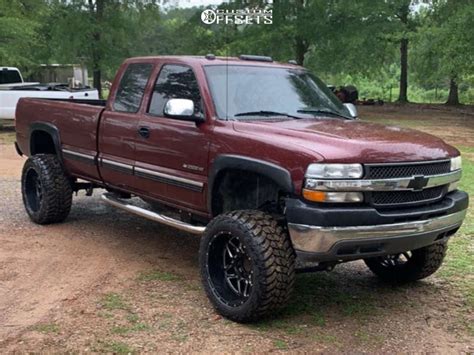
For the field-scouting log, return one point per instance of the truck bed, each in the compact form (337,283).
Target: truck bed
(76,121)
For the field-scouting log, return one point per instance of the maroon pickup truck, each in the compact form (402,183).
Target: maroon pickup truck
(259,158)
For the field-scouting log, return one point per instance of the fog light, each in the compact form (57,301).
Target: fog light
(335,197)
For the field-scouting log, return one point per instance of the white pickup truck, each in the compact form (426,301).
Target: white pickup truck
(12,88)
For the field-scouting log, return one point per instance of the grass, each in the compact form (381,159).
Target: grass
(46,328)
(113,301)
(459,264)
(325,338)
(133,317)
(316,297)
(115,347)
(137,327)
(368,338)
(280,344)
(156,275)
(315,292)
(465,149)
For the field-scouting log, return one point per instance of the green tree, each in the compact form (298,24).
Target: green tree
(20,21)
(101,33)
(443,51)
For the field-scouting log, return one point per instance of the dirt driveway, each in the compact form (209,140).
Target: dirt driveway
(107,281)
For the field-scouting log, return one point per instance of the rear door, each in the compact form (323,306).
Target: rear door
(118,127)
(171,162)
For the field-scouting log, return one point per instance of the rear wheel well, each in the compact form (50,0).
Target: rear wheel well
(41,142)
(240,190)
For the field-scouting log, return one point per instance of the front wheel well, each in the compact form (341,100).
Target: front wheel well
(240,190)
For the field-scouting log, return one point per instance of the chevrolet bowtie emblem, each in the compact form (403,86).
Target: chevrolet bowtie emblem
(418,183)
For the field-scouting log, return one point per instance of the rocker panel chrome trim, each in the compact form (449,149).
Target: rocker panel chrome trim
(156,217)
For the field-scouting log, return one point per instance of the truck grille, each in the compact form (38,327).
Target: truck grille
(407,170)
(396,198)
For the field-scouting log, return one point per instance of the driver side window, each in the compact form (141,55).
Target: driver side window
(174,82)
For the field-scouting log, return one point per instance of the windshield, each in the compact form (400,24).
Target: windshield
(9,76)
(240,92)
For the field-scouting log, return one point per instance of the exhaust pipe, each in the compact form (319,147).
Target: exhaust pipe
(153,216)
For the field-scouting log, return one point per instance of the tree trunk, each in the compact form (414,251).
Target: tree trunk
(97,12)
(301,46)
(300,50)
(403,15)
(403,97)
(98,81)
(453,97)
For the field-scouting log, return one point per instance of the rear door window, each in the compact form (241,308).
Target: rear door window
(132,86)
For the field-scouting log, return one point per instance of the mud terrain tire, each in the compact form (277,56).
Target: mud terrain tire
(253,246)
(422,263)
(46,190)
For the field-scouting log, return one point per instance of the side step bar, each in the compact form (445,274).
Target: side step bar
(156,217)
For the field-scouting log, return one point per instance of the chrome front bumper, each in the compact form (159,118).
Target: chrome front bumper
(316,239)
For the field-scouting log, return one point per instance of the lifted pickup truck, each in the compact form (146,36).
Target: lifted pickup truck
(259,158)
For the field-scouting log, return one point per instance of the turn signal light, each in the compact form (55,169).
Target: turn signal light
(336,197)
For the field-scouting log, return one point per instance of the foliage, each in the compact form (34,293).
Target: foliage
(19,31)
(344,42)
(444,43)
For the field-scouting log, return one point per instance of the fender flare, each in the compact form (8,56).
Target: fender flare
(52,130)
(278,174)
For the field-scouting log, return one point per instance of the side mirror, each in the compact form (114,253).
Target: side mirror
(352,109)
(181,109)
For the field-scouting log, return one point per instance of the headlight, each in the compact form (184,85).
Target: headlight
(332,171)
(335,171)
(456,163)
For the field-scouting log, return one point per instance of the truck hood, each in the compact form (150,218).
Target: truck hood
(339,140)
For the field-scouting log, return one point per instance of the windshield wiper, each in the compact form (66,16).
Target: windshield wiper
(324,110)
(265,113)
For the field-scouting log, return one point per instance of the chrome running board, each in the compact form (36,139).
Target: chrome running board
(156,217)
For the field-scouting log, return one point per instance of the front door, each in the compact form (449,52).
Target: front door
(171,160)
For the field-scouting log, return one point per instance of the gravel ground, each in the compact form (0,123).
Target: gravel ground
(105,281)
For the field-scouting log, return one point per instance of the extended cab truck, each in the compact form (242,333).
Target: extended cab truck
(258,157)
